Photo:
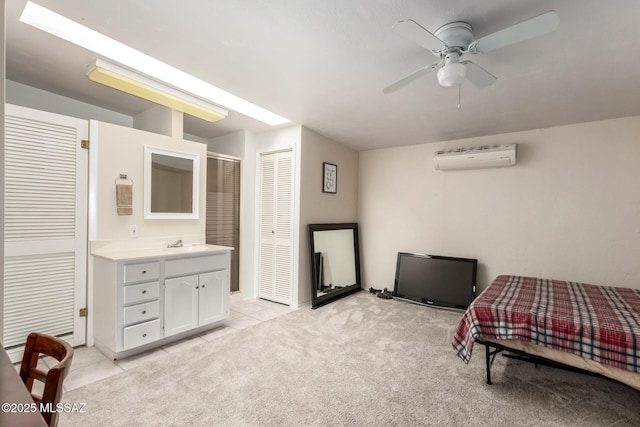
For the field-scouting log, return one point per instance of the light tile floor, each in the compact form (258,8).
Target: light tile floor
(89,365)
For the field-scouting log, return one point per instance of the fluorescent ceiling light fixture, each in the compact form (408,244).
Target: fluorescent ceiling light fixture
(128,81)
(66,29)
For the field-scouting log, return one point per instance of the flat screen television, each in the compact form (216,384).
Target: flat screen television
(435,280)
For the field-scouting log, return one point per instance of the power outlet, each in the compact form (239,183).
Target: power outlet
(133,231)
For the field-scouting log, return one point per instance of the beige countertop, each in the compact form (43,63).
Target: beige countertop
(128,254)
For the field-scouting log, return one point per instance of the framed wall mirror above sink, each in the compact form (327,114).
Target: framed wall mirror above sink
(171,184)
(335,261)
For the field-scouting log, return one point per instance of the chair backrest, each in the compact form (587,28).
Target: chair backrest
(41,344)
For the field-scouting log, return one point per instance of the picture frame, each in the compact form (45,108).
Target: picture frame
(329,178)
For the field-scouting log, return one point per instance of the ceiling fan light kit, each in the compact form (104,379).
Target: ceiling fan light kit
(453,72)
(451,41)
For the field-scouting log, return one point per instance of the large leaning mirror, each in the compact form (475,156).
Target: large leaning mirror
(335,261)
(170,184)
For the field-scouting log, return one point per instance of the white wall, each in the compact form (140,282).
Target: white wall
(570,208)
(230,145)
(317,207)
(116,150)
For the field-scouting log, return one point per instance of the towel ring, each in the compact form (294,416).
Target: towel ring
(124,177)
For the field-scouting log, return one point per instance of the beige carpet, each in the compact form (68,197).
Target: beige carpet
(360,361)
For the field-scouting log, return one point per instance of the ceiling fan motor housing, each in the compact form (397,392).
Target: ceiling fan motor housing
(455,35)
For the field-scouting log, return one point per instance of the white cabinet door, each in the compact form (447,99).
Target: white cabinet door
(180,304)
(212,303)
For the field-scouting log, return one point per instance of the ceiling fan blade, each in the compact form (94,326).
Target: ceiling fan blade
(409,78)
(525,30)
(411,30)
(478,75)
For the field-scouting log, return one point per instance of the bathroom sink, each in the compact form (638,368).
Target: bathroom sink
(192,248)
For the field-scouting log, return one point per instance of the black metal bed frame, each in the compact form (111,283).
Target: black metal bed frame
(527,357)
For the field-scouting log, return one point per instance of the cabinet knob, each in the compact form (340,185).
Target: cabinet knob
(144,292)
(144,271)
(144,311)
(197,287)
(203,286)
(144,335)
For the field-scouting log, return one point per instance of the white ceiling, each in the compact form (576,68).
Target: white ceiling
(322,64)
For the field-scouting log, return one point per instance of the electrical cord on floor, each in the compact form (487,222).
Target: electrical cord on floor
(384,294)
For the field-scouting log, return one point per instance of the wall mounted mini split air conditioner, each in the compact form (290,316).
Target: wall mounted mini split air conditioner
(486,156)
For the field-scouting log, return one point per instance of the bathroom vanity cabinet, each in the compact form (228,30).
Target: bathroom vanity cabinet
(146,298)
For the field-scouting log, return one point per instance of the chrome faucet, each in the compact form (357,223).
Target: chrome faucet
(175,244)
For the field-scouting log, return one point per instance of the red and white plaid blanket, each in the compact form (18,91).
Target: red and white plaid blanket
(596,322)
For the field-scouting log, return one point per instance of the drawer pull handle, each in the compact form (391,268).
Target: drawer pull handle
(144,311)
(144,292)
(144,335)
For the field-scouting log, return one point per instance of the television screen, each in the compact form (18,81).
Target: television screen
(436,280)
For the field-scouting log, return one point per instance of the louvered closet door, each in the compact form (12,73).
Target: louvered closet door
(45,226)
(276,227)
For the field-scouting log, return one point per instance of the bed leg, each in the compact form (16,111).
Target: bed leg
(488,360)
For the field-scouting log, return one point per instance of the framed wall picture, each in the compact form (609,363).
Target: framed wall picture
(329,178)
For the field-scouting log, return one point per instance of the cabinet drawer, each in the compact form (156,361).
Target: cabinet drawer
(141,312)
(141,292)
(184,266)
(141,334)
(138,272)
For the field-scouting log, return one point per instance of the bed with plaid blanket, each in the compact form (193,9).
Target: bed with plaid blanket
(599,323)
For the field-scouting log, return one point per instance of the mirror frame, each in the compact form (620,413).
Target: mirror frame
(149,151)
(318,301)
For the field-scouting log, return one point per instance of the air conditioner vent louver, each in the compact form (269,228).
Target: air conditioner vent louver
(485,156)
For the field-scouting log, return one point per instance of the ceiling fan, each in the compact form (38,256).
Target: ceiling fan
(451,41)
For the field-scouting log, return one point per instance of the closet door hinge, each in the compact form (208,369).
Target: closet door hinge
(83,312)
(84,144)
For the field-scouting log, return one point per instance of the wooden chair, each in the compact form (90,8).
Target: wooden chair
(60,350)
